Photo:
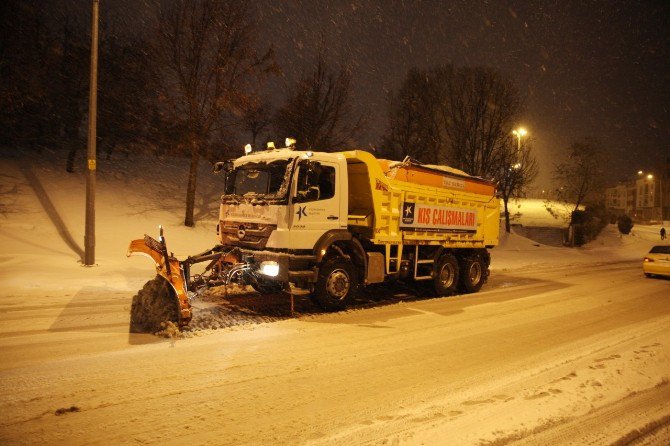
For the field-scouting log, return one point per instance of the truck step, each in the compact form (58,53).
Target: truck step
(304,274)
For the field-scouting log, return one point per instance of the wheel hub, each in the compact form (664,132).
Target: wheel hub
(447,276)
(475,273)
(338,284)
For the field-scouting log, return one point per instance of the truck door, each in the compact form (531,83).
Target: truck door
(316,202)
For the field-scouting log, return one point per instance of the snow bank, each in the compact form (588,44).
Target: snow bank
(516,252)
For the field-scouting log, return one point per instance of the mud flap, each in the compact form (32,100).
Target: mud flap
(169,268)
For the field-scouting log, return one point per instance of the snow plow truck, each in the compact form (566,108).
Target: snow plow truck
(331,222)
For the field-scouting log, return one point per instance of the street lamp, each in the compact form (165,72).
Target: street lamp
(519,133)
(660,194)
(650,177)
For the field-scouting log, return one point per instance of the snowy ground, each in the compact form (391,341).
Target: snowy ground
(561,346)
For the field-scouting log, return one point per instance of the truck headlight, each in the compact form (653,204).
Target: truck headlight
(269,268)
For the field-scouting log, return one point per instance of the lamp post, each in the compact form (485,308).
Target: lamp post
(519,133)
(89,236)
(650,177)
(660,194)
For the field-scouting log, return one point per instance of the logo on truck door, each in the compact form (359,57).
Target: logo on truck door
(301,212)
(437,218)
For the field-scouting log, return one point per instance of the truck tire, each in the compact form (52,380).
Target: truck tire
(336,284)
(155,303)
(473,274)
(445,281)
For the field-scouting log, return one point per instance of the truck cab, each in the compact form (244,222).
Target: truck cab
(288,210)
(284,199)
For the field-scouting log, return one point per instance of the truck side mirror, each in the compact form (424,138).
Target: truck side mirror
(225,166)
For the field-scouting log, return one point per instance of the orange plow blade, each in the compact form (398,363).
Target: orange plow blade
(169,268)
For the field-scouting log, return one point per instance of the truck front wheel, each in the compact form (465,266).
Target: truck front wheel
(473,274)
(336,285)
(446,275)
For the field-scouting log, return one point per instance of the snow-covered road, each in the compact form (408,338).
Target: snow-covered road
(561,355)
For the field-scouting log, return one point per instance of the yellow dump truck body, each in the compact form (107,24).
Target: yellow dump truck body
(457,210)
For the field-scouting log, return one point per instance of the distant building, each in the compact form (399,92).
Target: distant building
(645,198)
(616,199)
(644,203)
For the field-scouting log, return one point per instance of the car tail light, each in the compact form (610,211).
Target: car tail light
(647,259)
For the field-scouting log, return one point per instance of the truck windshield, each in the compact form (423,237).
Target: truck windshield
(257,178)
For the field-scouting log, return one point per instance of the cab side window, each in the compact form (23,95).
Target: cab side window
(315,182)
(327,182)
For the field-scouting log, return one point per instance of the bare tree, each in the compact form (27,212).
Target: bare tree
(580,177)
(127,92)
(208,62)
(70,92)
(478,112)
(517,169)
(414,127)
(318,110)
(257,118)
(461,116)
(28,60)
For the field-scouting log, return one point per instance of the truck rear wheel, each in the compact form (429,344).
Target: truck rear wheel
(445,281)
(473,274)
(336,285)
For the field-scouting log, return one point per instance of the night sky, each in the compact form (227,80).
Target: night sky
(587,69)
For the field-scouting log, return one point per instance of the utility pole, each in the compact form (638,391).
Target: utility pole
(89,237)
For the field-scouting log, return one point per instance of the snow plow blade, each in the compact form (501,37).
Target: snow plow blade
(169,268)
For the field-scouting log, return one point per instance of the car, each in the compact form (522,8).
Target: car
(657,261)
